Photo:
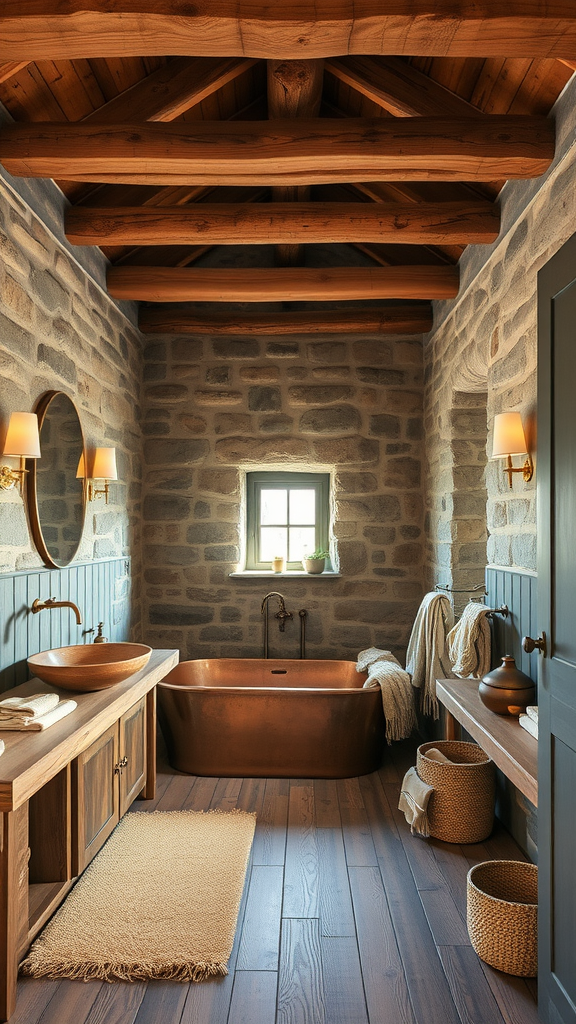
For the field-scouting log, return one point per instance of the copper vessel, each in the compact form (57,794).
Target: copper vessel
(506,690)
(271,718)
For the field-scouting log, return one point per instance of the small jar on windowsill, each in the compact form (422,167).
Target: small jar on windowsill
(278,563)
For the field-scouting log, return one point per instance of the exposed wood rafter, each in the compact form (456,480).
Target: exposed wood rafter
(283,152)
(284,224)
(398,87)
(65,29)
(175,319)
(205,284)
(8,68)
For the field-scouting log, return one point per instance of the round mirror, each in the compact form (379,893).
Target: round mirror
(56,502)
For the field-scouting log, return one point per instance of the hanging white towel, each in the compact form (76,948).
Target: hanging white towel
(427,658)
(469,643)
(385,671)
(413,802)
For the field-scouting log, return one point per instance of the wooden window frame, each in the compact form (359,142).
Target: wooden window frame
(270,480)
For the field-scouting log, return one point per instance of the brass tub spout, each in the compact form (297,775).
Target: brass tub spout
(51,602)
(281,614)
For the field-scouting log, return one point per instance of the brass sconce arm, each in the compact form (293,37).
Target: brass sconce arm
(10,477)
(527,469)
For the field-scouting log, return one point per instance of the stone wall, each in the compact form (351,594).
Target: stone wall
(218,407)
(60,331)
(481,359)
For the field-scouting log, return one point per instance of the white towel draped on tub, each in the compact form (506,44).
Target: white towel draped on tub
(469,643)
(427,658)
(397,695)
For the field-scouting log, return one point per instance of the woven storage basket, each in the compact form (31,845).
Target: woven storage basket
(502,909)
(461,808)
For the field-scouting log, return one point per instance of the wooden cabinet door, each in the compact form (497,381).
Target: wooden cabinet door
(556,475)
(132,754)
(96,797)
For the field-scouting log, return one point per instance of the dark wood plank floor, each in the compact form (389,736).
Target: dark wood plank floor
(346,919)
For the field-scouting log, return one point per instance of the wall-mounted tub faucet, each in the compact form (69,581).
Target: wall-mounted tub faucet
(281,614)
(38,606)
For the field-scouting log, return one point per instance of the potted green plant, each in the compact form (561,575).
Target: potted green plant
(315,562)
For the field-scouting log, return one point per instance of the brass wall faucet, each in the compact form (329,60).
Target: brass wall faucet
(38,606)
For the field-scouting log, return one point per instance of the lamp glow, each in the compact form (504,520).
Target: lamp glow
(22,438)
(81,471)
(509,440)
(104,465)
(22,442)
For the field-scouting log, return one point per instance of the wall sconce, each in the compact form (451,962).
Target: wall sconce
(509,440)
(102,468)
(22,442)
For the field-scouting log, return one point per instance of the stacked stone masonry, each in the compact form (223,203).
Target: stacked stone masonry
(216,408)
(60,331)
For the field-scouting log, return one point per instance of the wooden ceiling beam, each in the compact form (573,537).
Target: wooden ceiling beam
(67,29)
(285,224)
(398,87)
(171,90)
(298,152)
(174,319)
(279,284)
(294,89)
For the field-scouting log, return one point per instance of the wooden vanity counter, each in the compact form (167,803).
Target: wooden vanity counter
(62,792)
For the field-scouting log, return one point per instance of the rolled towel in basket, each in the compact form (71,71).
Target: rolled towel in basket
(413,802)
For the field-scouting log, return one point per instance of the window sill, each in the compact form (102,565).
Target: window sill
(268,574)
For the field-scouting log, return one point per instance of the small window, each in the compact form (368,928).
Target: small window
(287,516)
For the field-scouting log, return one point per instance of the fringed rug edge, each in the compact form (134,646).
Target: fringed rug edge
(92,971)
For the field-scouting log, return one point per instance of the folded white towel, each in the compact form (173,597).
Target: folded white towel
(427,658)
(2,746)
(469,643)
(529,724)
(38,724)
(28,707)
(385,671)
(414,797)
(532,712)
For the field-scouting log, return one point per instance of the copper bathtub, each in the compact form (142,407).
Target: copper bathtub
(271,718)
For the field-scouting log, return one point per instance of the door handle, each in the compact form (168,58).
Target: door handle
(529,645)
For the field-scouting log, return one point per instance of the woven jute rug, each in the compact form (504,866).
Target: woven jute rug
(160,900)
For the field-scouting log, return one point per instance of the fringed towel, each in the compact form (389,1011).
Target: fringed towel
(469,644)
(427,658)
(414,797)
(397,694)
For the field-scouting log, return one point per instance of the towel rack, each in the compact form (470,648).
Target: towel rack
(502,610)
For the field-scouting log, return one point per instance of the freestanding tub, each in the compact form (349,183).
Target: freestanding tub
(271,718)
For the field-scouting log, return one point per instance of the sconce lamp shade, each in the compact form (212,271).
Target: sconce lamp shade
(104,465)
(22,438)
(81,471)
(509,436)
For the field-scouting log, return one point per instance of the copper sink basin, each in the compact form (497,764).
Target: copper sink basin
(87,667)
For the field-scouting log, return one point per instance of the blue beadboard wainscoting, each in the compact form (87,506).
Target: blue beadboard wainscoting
(517,589)
(100,589)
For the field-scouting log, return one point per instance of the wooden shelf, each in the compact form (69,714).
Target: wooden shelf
(511,748)
(43,899)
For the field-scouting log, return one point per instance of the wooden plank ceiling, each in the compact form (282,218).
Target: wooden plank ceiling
(364,168)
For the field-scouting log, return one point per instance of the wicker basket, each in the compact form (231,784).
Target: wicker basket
(502,909)
(461,808)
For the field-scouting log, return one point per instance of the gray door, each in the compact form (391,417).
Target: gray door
(556,476)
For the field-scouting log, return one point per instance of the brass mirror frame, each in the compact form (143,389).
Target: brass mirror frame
(41,409)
